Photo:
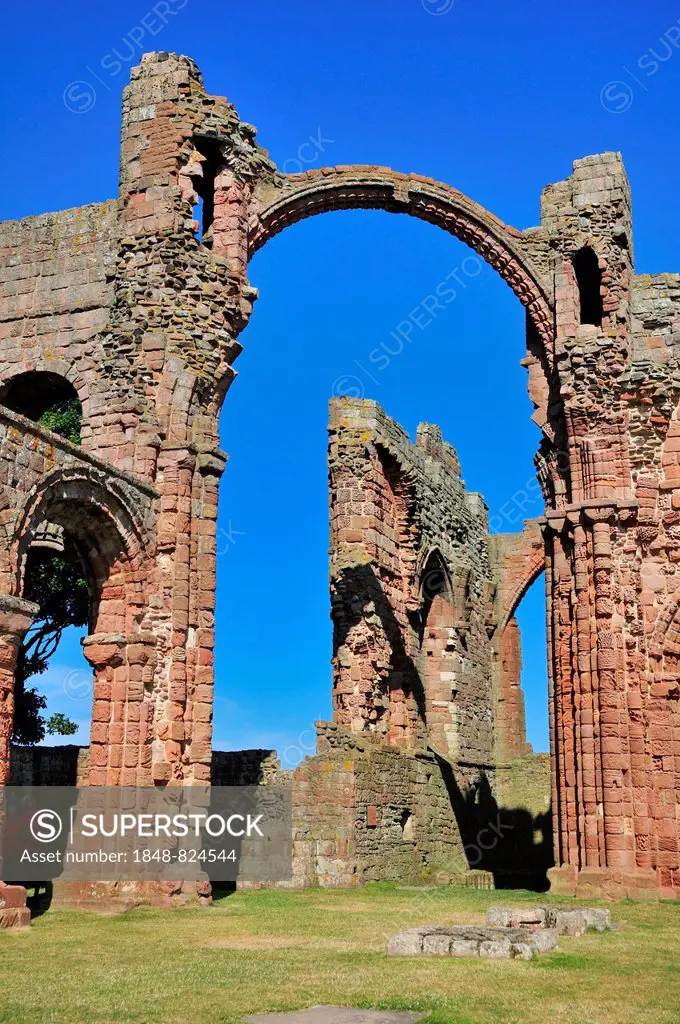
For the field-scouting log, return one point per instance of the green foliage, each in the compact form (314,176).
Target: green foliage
(65,418)
(60,725)
(58,586)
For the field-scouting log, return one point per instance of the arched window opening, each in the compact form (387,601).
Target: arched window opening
(589,282)
(439,658)
(206,167)
(74,564)
(437,611)
(48,399)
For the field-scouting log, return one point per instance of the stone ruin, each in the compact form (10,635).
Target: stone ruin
(568,920)
(135,309)
(485,943)
(510,933)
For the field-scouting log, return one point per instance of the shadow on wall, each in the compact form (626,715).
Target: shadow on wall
(366,626)
(512,843)
(508,835)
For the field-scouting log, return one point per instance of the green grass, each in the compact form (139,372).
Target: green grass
(266,950)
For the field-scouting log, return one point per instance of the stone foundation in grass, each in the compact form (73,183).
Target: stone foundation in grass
(564,920)
(472,941)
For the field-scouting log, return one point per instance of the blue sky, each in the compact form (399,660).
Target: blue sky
(497,100)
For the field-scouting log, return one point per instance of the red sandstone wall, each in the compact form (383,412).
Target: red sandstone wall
(410,588)
(518,560)
(153,369)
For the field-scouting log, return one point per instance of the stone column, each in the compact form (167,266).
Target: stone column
(16,615)
(120,749)
(511,726)
(201,633)
(591,736)
(176,468)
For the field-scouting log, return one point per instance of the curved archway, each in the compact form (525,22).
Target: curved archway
(311,238)
(79,530)
(504,248)
(381,188)
(520,560)
(532,570)
(48,398)
(95,514)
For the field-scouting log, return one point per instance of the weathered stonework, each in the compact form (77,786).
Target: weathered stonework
(486,943)
(139,311)
(573,920)
(411,588)
(411,780)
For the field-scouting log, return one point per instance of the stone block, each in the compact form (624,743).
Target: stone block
(563,920)
(408,943)
(469,941)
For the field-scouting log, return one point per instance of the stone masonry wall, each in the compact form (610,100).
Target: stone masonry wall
(411,588)
(140,309)
(56,287)
(369,813)
(67,765)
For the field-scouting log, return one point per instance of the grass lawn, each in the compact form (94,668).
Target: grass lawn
(266,950)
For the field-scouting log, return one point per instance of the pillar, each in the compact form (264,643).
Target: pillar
(16,615)
(122,714)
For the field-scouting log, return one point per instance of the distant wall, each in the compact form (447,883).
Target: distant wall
(525,783)
(367,813)
(66,765)
(525,818)
(244,767)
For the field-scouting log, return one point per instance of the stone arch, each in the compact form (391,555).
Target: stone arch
(534,566)
(520,561)
(431,561)
(57,368)
(435,586)
(106,531)
(107,535)
(508,251)
(380,188)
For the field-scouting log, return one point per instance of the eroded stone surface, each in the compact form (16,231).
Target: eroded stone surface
(564,920)
(470,941)
(141,312)
(13,910)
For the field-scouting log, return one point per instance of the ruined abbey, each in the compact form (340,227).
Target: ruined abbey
(135,308)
